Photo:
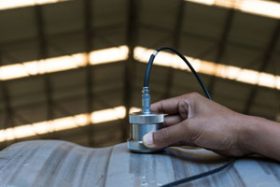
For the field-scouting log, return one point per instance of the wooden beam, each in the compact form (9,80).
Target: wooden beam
(175,44)
(88,69)
(43,54)
(131,38)
(222,47)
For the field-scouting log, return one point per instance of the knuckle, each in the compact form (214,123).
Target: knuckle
(193,95)
(191,100)
(183,107)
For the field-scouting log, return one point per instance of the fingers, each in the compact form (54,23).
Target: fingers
(166,136)
(167,106)
(171,120)
(178,109)
(171,106)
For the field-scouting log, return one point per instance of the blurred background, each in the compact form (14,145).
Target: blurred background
(73,69)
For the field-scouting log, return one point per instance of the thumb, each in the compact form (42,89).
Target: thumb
(164,137)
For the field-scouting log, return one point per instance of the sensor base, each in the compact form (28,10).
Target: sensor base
(139,147)
(141,124)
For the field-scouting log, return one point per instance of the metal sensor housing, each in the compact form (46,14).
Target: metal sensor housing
(143,123)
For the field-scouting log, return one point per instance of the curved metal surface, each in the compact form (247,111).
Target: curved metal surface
(59,163)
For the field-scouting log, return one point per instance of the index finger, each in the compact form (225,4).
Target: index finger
(167,106)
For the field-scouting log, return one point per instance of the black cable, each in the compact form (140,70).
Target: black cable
(151,60)
(146,84)
(200,175)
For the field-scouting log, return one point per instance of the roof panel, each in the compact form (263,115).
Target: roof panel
(258,110)
(274,64)
(234,90)
(19,52)
(112,37)
(68,79)
(63,17)
(32,114)
(28,86)
(205,21)
(26,92)
(158,13)
(109,12)
(12,29)
(66,45)
(198,47)
(268,98)
(242,57)
(153,38)
(246,31)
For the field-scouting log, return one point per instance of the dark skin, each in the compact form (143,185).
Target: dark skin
(195,120)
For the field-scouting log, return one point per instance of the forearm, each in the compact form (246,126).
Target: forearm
(261,136)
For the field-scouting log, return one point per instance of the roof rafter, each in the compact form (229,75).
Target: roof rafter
(131,38)
(43,54)
(222,47)
(88,69)
(9,112)
(178,27)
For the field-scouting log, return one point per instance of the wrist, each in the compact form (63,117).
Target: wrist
(249,130)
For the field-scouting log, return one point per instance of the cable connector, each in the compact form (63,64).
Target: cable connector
(146,100)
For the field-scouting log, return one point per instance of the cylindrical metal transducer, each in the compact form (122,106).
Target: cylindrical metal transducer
(141,124)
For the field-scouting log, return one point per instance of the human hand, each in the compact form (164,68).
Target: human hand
(195,120)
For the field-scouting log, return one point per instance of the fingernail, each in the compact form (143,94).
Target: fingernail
(148,140)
